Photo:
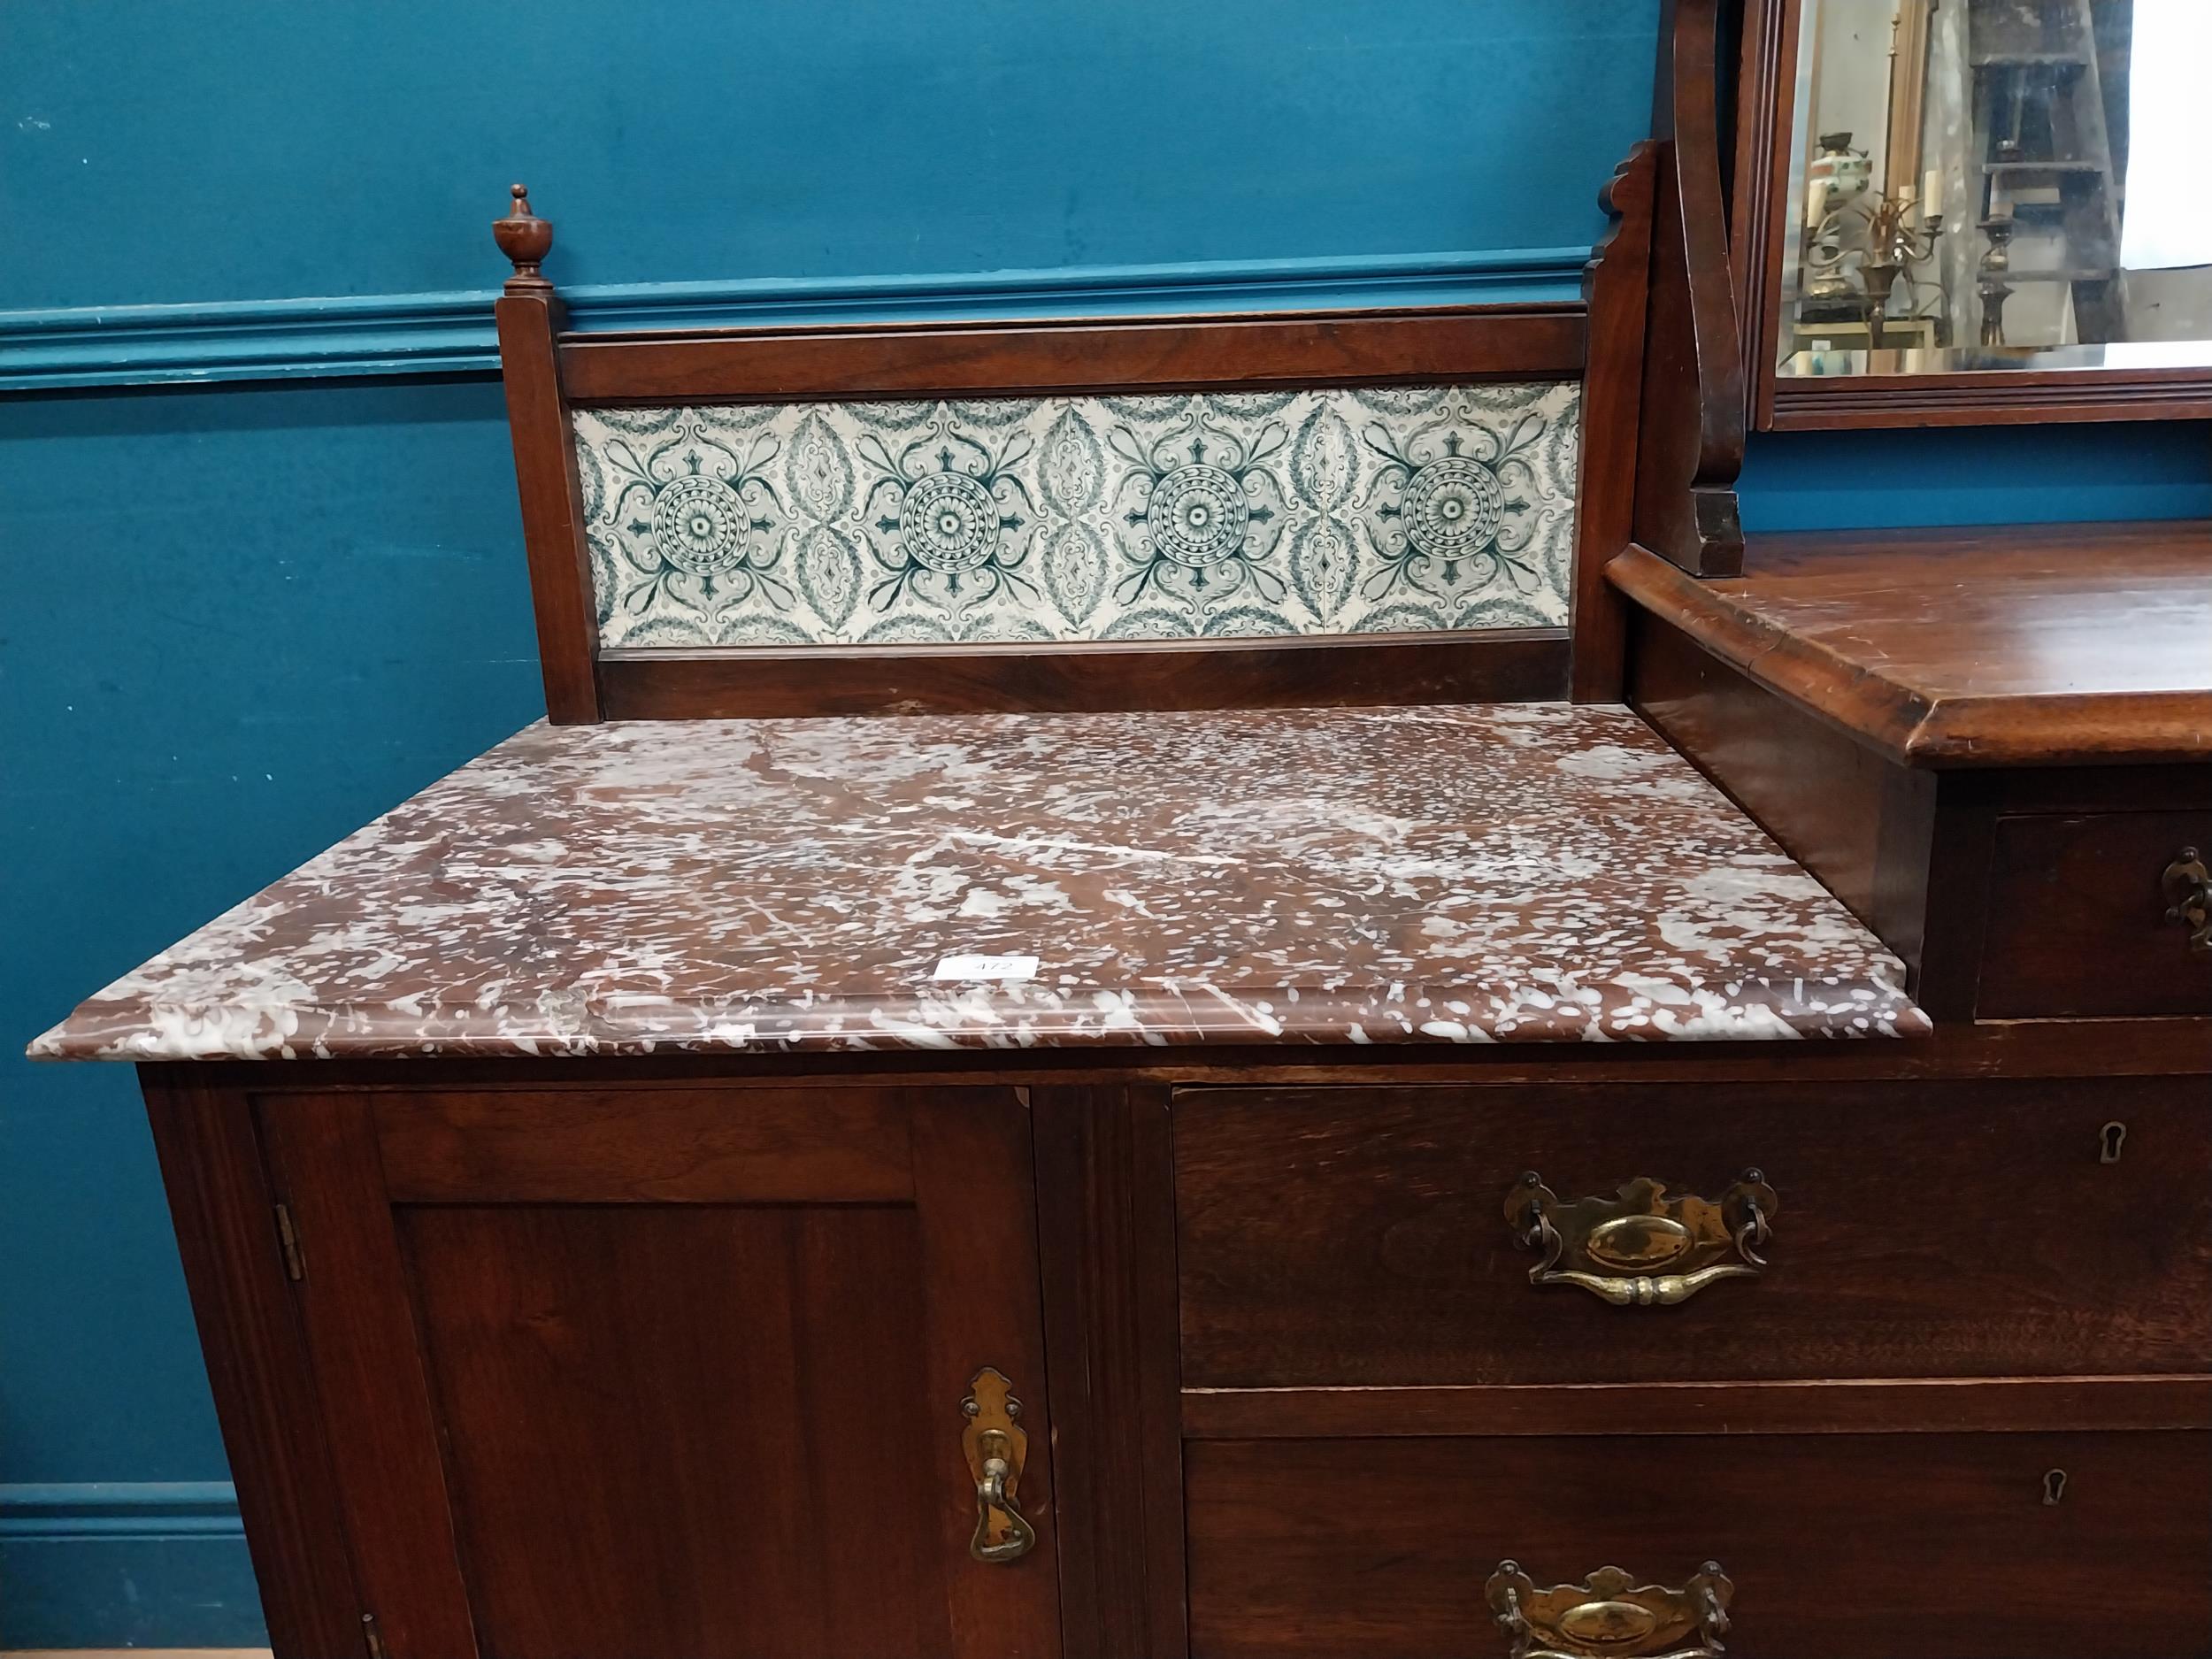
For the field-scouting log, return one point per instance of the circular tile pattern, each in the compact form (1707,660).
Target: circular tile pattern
(1197,515)
(949,522)
(1452,507)
(699,524)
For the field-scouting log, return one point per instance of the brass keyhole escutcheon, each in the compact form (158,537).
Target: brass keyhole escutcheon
(2054,1486)
(2110,1138)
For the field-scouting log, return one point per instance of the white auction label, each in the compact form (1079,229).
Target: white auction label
(985,968)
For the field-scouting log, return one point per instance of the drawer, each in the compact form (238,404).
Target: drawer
(1901,1546)
(2078,918)
(1358,1236)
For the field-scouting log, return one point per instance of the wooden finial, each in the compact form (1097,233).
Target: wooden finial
(526,240)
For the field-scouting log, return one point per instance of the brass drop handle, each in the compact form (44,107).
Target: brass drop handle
(1640,1248)
(1609,1616)
(2188,884)
(996,1447)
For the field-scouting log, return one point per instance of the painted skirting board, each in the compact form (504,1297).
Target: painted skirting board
(125,1563)
(451,333)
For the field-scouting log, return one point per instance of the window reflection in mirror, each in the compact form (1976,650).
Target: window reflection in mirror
(1981,184)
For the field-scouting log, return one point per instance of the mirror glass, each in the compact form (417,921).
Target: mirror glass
(1997,184)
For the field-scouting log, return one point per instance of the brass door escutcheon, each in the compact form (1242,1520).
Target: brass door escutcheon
(1641,1247)
(2187,886)
(996,1447)
(1609,1616)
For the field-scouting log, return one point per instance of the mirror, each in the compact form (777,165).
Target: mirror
(1984,186)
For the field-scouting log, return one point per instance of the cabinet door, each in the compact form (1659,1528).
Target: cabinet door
(663,1371)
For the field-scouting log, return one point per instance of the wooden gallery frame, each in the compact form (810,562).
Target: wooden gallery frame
(1653,343)
(549,373)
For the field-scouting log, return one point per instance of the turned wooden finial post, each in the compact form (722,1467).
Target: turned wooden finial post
(529,316)
(525,239)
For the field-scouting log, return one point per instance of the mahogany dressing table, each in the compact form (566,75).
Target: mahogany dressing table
(1026,1067)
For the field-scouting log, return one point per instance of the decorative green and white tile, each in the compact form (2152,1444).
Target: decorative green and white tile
(1364,510)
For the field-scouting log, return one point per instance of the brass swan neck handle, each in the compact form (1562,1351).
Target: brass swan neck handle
(1641,1247)
(997,1446)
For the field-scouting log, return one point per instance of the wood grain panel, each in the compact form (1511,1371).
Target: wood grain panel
(1689,429)
(370,1377)
(1502,665)
(2000,645)
(641,1145)
(1861,823)
(687,1431)
(1442,346)
(2078,923)
(974,1190)
(1107,1239)
(1616,287)
(1839,1546)
(552,505)
(1356,1236)
(1940,1405)
(256,1362)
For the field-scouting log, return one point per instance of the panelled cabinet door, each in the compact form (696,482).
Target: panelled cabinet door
(665,1371)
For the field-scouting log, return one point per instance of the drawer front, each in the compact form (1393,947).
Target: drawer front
(1359,1235)
(2078,919)
(1934,1547)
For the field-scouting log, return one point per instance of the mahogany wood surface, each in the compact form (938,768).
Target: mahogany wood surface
(1861,823)
(1767,38)
(2013,1048)
(639,1471)
(2077,920)
(1840,1546)
(223,1206)
(975,1198)
(638,1145)
(2002,397)
(661,1395)
(373,1379)
(1106,1231)
(552,503)
(1690,430)
(1500,665)
(2066,918)
(1941,1405)
(1444,345)
(1616,287)
(2005,645)
(1357,1236)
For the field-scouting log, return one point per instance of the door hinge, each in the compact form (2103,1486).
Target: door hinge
(289,1242)
(374,1642)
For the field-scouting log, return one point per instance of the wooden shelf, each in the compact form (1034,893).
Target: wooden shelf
(2009,645)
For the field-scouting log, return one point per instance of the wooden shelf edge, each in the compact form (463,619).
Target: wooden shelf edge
(1905,725)
(1885,716)
(1876,1406)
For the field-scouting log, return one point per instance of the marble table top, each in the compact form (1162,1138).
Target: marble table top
(1511,872)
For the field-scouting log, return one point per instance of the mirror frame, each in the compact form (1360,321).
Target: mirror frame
(1766,92)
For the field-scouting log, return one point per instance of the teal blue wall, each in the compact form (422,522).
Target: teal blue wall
(241,617)
(1815,480)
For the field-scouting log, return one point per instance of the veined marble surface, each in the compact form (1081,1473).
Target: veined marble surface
(1508,872)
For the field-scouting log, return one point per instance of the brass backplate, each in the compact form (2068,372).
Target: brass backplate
(1642,1247)
(1609,1616)
(997,1446)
